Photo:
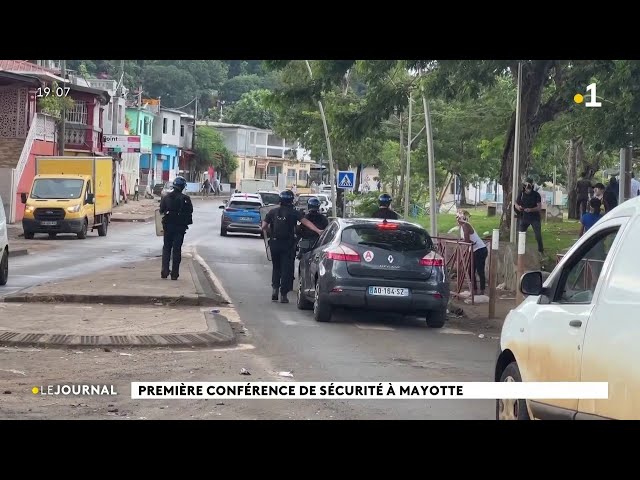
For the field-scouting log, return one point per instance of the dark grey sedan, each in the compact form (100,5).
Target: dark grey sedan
(372,264)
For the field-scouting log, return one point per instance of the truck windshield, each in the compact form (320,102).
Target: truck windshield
(57,188)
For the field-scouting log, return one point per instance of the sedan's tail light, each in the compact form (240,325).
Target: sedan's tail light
(432,259)
(342,253)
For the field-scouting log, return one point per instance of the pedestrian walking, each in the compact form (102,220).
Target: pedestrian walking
(177,211)
(136,191)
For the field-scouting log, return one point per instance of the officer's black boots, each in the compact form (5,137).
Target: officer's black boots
(283,298)
(274,295)
(174,277)
(164,274)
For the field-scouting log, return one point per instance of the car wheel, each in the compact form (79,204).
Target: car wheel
(436,318)
(4,268)
(223,232)
(303,303)
(321,310)
(511,409)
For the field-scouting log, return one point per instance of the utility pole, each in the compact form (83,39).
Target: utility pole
(63,110)
(332,171)
(434,210)
(515,183)
(195,122)
(407,175)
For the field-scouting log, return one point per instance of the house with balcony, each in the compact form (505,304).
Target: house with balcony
(165,151)
(186,145)
(139,123)
(24,133)
(262,154)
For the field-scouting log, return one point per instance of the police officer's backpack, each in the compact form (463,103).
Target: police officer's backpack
(281,224)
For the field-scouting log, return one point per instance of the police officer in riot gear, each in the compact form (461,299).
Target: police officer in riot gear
(384,210)
(281,223)
(177,211)
(315,217)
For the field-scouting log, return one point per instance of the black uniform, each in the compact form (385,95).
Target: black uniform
(318,219)
(385,212)
(178,215)
(531,200)
(282,223)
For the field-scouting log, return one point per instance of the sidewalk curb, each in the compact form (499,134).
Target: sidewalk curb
(219,333)
(131,220)
(215,282)
(19,253)
(190,300)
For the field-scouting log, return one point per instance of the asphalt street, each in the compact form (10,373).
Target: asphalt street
(353,347)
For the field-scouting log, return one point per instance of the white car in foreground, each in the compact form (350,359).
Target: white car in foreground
(580,325)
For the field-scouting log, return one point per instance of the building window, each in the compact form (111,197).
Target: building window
(140,127)
(146,126)
(78,113)
(291,174)
(164,125)
(120,114)
(110,112)
(302,175)
(182,130)
(173,128)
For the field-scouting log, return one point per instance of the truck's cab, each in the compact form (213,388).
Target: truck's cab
(59,204)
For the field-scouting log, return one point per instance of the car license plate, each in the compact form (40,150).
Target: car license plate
(48,223)
(389,291)
(245,219)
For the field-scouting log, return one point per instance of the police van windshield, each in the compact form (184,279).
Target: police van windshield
(239,204)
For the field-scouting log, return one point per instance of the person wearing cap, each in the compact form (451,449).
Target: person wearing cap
(281,224)
(177,214)
(606,196)
(528,205)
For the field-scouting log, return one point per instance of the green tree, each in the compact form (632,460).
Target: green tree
(211,151)
(252,109)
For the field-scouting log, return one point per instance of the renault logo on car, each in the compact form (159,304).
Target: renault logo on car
(390,258)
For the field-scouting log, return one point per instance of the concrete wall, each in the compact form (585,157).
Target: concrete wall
(5,190)
(39,148)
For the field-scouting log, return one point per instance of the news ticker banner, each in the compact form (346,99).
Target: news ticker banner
(370,390)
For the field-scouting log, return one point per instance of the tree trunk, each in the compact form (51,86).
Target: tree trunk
(532,116)
(575,144)
(463,194)
(356,187)
(402,170)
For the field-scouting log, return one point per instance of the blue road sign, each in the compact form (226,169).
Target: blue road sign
(346,180)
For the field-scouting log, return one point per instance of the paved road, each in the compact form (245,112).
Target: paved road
(362,347)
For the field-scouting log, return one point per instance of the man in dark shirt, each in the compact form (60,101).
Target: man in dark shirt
(384,209)
(529,204)
(606,196)
(582,195)
(177,211)
(281,223)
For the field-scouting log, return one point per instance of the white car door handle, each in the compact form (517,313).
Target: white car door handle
(575,323)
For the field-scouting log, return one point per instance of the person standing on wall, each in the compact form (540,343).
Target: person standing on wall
(529,204)
(177,211)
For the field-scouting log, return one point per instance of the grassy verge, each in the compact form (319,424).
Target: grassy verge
(556,237)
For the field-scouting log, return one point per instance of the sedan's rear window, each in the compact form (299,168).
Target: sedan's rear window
(400,240)
(244,205)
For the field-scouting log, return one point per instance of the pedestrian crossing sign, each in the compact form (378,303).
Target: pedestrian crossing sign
(346,179)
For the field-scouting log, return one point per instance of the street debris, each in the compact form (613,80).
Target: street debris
(285,374)
(17,372)
(127,354)
(220,403)
(7,392)
(244,371)
(481,335)
(106,349)
(215,310)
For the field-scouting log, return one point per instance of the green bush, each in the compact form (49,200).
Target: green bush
(367,203)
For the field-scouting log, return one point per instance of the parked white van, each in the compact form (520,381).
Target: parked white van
(580,325)
(4,247)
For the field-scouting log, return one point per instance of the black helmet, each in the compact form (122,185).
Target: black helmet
(179,183)
(384,200)
(286,197)
(313,204)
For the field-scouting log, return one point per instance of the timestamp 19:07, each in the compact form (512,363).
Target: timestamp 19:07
(46,91)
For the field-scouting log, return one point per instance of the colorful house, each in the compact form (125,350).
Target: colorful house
(139,123)
(24,132)
(166,145)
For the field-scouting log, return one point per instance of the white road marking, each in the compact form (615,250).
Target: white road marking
(373,327)
(454,331)
(242,346)
(289,322)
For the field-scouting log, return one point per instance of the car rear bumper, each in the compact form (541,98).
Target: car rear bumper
(419,299)
(62,226)
(242,227)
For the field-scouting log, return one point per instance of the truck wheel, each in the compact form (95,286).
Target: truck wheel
(436,318)
(28,235)
(511,409)
(82,234)
(104,226)
(4,268)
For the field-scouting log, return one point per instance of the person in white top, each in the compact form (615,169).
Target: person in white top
(480,251)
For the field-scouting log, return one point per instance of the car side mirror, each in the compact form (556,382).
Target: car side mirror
(221,206)
(90,198)
(23,197)
(531,283)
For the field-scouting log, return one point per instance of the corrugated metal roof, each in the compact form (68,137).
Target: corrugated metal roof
(23,66)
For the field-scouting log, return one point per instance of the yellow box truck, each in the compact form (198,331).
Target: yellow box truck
(69,195)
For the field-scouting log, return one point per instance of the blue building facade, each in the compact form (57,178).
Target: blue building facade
(166,160)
